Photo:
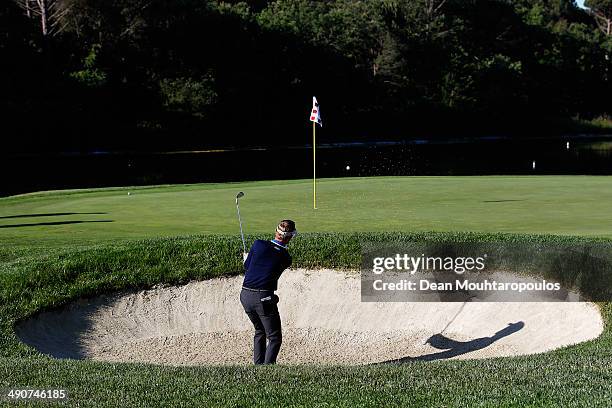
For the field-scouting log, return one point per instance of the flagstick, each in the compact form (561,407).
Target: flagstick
(314,166)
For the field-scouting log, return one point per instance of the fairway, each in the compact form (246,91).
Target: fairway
(563,205)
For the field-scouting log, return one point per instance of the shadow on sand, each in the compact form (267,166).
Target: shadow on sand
(59,332)
(453,348)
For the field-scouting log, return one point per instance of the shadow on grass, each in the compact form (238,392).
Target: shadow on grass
(51,223)
(50,214)
(453,348)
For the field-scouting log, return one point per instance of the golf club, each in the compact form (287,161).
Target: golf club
(240,195)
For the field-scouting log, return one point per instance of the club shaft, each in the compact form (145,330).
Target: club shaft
(240,222)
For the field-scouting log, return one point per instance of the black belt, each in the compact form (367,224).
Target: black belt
(258,290)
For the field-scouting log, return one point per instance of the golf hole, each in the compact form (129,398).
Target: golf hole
(324,322)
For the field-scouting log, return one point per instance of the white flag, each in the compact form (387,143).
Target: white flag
(315,114)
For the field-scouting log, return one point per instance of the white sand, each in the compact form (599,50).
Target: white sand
(324,322)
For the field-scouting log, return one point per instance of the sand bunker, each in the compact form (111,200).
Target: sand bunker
(324,322)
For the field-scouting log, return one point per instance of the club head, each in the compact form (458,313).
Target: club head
(239,195)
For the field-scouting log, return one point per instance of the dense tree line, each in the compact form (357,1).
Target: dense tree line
(84,75)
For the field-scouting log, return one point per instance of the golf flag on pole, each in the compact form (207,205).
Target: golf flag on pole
(315,114)
(315,117)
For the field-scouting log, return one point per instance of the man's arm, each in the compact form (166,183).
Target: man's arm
(247,261)
(287,262)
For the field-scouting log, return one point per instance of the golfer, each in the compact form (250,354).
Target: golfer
(263,265)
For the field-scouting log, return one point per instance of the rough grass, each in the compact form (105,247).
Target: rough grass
(32,281)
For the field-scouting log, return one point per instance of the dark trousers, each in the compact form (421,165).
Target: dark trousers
(267,323)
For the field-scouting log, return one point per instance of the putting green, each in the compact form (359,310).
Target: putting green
(568,205)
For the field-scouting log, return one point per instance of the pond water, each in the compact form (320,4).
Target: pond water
(575,155)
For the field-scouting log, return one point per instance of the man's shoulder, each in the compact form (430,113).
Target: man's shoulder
(269,245)
(260,242)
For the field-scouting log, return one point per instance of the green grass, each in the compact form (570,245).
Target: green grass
(566,205)
(45,266)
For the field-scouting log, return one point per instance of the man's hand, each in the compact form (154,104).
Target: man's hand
(244,256)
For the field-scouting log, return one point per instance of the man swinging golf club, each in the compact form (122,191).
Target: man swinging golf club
(264,265)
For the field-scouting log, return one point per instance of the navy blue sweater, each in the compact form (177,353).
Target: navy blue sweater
(265,264)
